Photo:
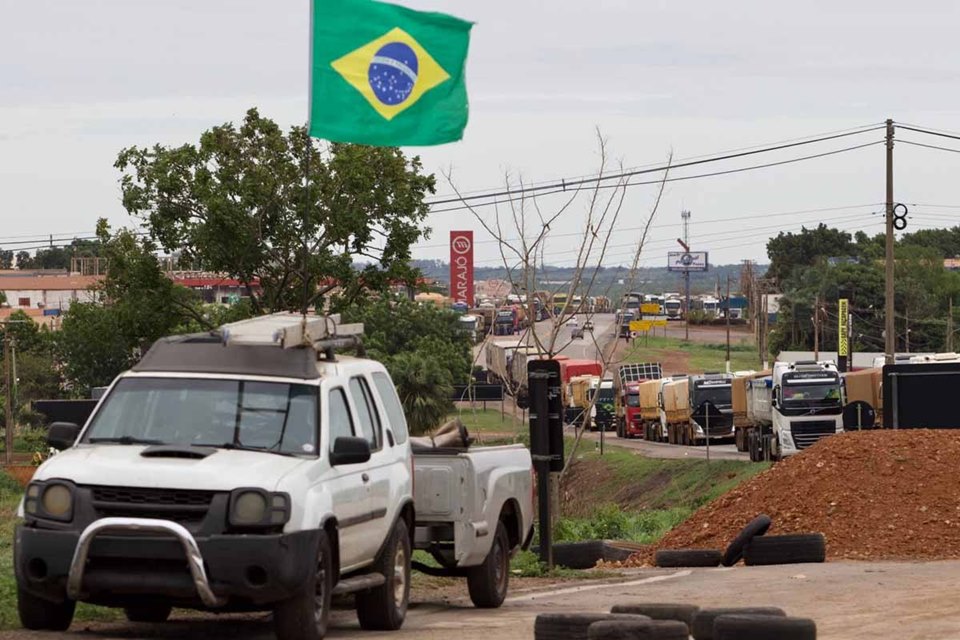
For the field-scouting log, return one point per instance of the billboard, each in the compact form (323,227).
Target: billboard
(687,261)
(461,267)
(843,344)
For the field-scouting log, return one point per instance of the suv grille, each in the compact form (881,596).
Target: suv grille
(807,433)
(180,505)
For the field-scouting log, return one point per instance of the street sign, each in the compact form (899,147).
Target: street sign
(686,261)
(843,347)
(660,323)
(641,326)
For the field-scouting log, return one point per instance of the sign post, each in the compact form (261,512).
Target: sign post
(843,336)
(702,415)
(461,267)
(546,440)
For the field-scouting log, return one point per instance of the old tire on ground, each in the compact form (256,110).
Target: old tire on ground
(685,613)
(578,555)
(384,608)
(756,527)
(643,630)
(574,626)
(687,558)
(488,582)
(305,616)
(38,614)
(789,549)
(758,627)
(702,628)
(148,612)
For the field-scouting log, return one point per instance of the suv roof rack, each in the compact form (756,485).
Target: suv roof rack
(288,330)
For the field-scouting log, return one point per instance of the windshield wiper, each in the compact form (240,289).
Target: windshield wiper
(240,447)
(123,440)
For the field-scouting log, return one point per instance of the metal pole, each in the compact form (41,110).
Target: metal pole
(816,328)
(891,336)
(8,429)
(949,342)
(706,429)
(728,323)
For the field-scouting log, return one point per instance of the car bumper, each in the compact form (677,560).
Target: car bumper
(121,566)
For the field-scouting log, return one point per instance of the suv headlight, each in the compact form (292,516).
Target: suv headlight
(49,500)
(258,508)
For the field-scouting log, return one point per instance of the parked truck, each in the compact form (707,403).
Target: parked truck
(256,470)
(916,394)
(804,402)
(578,396)
(739,399)
(626,384)
(682,397)
(864,386)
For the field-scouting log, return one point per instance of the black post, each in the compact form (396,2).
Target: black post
(539,416)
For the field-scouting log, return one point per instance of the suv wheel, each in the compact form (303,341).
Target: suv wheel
(488,582)
(39,614)
(384,608)
(306,615)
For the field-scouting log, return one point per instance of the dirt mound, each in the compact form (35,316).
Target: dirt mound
(873,494)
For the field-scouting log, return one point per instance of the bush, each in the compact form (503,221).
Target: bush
(612,523)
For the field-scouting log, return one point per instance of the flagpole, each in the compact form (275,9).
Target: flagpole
(306,165)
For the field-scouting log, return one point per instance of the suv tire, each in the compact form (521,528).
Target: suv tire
(42,615)
(148,612)
(384,608)
(488,582)
(305,616)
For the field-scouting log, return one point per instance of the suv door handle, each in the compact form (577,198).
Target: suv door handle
(365,477)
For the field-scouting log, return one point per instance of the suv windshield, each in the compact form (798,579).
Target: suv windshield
(242,414)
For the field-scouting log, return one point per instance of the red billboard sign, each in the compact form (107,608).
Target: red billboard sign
(461,266)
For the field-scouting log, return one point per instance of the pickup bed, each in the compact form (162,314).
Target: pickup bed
(474,508)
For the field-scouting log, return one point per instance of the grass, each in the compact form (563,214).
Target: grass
(10,493)
(625,496)
(482,421)
(701,356)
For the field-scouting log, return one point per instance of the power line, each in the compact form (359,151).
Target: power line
(928,146)
(649,182)
(876,125)
(929,132)
(563,185)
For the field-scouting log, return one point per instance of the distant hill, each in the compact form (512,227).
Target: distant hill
(652,280)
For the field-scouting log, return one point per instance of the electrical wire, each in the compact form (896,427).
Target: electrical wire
(928,146)
(664,180)
(563,185)
(929,132)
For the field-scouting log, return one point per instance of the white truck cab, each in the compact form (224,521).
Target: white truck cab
(247,470)
(807,405)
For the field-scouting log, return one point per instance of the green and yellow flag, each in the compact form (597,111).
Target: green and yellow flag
(387,75)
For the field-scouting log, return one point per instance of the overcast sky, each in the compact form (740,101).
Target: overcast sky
(80,80)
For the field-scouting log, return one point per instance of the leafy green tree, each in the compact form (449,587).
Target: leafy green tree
(6,259)
(235,203)
(92,345)
(24,261)
(425,388)
(791,251)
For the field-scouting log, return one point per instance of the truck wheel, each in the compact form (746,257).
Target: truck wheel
(305,615)
(42,615)
(488,583)
(148,612)
(384,608)
(787,549)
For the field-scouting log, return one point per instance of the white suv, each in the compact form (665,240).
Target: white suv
(224,475)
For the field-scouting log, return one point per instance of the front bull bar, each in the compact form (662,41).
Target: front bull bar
(141,525)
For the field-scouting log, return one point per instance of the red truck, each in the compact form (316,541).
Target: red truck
(627,396)
(571,368)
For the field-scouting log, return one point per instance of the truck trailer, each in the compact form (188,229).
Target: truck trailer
(626,385)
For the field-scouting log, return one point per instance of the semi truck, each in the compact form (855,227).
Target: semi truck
(673,308)
(791,410)
(626,385)
(579,394)
(682,397)
(916,394)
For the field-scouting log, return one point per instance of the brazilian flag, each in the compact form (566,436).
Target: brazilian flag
(386,75)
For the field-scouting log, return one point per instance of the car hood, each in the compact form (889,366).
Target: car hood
(122,465)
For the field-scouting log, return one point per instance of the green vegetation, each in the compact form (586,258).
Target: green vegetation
(10,494)
(700,357)
(625,496)
(483,421)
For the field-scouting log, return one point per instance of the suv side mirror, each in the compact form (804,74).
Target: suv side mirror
(349,450)
(62,435)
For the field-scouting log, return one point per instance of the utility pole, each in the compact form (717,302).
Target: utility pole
(8,383)
(685,216)
(766,327)
(727,314)
(906,329)
(949,344)
(891,336)
(816,328)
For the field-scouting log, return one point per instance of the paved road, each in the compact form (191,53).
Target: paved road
(667,451)
(585,348)
(848,601)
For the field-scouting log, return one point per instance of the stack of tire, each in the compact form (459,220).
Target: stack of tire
(753,546)
(662,621)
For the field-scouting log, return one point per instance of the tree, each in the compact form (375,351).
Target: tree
(237,203)
(425,389)
(24,261)
(92,345)
(790,251)
(6,259)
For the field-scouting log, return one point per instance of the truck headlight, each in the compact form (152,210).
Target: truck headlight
(258,508)
(50,501)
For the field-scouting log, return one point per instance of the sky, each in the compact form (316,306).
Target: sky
(80,81)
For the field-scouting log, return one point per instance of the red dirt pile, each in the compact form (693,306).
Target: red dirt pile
(873,494)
